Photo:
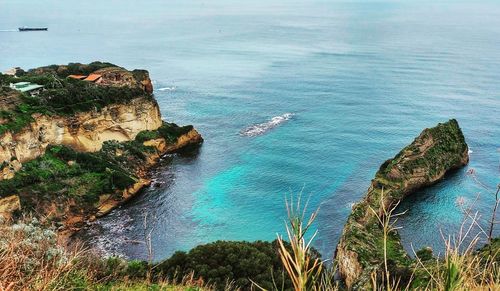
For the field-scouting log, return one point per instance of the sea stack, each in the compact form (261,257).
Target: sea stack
(425,161)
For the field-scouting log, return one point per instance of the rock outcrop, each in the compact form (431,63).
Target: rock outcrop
(117,76)
(163,147)
(84,131)
(426,160)
(120,106)
(8,205)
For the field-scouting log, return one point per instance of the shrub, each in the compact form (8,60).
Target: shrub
(51,178)
(147,135)
(137,269)
(171,131)
(223,261)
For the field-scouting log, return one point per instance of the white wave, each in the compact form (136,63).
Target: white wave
(261,128)
(470,151)
(167,88)
(109,238)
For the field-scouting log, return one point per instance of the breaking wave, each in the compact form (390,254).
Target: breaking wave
(167,88)
(261,128)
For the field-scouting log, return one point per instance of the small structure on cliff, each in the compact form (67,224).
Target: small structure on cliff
(94,78)
(360,252)
(77,77)
(27,87)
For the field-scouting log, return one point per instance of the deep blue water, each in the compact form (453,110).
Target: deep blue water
(361,79)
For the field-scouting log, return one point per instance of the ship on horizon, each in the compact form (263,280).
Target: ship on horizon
(24,28)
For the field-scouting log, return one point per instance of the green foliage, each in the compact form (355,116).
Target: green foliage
(171,131)
(72,69)
(17,119)
(221,261)
(80,96)
(73,280)
(137,269)
(425,254)
(445,153)
(140,74)
(62,173)
(147,135)
(452,276)
(63,96)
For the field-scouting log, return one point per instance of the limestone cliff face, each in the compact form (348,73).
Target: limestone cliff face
(426,160)
(84,131)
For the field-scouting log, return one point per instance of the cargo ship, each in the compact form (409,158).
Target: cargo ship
(24,28)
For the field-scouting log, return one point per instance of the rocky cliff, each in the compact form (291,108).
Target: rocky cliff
(84,131)
(79,148)
(360,252)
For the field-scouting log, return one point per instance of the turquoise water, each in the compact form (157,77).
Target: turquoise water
(360,81)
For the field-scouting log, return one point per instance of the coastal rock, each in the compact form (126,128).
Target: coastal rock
(425,161)
(85,131)
(108,203)
(117,76)
(185,140)
(9,204)
(109,173)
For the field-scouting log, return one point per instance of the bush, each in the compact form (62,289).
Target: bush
(224,261)
(146,135)
(425,254)
(171,131)
(137,269)
(51,178)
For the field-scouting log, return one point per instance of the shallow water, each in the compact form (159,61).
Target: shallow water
(361,80)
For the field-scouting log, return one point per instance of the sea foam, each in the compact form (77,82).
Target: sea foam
(167,88)
(261,128)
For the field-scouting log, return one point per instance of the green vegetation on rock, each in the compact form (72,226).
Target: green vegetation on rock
(63,174)
(62,95)
(427,159)
(169,131)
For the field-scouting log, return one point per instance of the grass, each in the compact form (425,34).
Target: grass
(31,259)
(303,270)
(463,266)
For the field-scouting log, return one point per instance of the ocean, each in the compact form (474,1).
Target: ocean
(291,97)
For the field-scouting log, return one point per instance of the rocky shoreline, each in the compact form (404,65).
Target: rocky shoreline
(94,156)
(107,203)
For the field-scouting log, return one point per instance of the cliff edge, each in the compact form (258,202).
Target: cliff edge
(77,140)
(425,161)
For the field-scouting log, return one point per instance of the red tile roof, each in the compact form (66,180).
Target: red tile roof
(92,77)
(78,77)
